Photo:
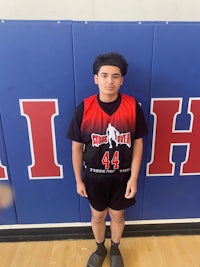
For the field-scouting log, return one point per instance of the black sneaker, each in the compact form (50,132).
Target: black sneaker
(116,260)
(96,260)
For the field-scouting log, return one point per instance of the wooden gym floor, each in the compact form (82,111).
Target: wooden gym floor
(164,251)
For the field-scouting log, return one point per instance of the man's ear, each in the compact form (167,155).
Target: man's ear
(95,79)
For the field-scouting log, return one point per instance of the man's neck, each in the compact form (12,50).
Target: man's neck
(108,98)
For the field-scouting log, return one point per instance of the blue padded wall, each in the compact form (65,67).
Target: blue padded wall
(91,39)
(46,70)
(37,63)
(7,215)
(175,74)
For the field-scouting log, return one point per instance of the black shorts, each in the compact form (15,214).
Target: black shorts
(107,190)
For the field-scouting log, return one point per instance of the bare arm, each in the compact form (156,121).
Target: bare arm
(77,161)
(131,188)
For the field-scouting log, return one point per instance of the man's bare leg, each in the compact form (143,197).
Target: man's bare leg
(117,228)
(99,229)
(98,224)
(116,224)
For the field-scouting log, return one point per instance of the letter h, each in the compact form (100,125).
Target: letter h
(165,137)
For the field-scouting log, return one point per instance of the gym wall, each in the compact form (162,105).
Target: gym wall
(46,70)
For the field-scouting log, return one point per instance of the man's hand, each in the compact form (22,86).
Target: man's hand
(131,188)
(80,187)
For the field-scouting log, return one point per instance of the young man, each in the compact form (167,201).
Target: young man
(106,132)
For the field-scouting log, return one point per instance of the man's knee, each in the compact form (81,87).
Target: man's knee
(98,216)
(116,216)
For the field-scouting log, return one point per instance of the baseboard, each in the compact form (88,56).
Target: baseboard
(85,232)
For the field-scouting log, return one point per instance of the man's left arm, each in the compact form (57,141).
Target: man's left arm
(131,188)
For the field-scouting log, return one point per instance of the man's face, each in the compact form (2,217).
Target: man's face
(109,80)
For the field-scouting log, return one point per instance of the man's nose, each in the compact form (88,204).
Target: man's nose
(110,79)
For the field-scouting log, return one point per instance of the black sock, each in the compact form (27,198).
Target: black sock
(101,250)
(114,250)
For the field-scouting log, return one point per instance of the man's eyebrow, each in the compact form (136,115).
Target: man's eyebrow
(118,74)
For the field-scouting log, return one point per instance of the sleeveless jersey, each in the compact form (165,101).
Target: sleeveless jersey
(108,139)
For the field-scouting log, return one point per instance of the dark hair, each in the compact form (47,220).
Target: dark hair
(110,59)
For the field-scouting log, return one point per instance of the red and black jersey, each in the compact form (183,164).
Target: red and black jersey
(108,135)
(95,119)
